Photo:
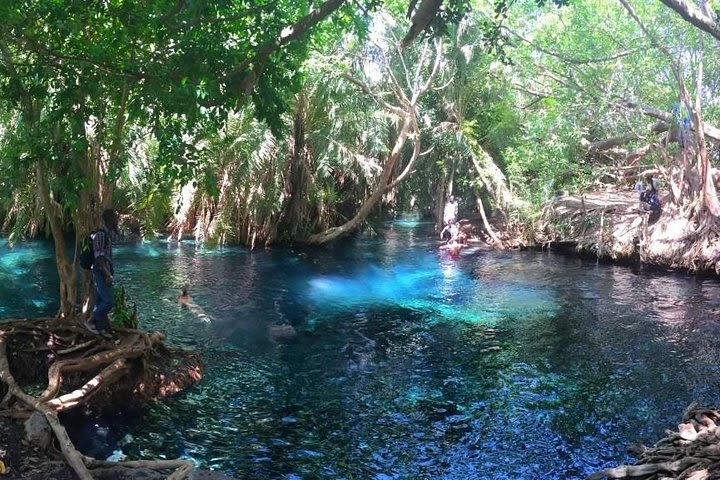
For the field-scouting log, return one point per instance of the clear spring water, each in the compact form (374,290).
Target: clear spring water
(393,373)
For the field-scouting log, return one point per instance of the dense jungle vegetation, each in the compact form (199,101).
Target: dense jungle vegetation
(260,122)
(279,122)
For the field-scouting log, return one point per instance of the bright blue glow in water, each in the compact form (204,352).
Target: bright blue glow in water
(394,372)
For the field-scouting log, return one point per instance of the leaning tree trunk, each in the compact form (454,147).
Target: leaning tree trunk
(382,187)
(405,109)
(497,242)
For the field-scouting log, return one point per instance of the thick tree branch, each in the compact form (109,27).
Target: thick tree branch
(179,5)
(423,18)
(364,88)
(610,143)
(413,158)
(711,132)
(251,69)
(106,377)
(695,16)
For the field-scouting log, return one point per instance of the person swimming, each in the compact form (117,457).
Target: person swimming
(453,248)
(186,301)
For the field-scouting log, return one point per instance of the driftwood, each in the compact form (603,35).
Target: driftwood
(692,452)
(78,355)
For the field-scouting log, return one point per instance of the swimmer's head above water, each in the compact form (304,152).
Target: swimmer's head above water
(184,298)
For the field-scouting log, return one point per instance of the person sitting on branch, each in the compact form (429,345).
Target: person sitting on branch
(452,229)
(649,199)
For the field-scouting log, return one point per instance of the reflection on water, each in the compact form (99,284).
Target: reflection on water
(406,364)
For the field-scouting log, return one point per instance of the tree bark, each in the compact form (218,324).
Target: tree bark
(295,211)
(695,16)
(496,240)
(381,188)
(66,269)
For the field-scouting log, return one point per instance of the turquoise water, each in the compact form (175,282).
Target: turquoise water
(406,364)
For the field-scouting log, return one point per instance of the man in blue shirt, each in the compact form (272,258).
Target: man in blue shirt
(102,274)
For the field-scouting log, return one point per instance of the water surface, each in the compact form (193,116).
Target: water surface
(407,364)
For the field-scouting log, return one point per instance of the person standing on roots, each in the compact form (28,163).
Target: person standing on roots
(102,274)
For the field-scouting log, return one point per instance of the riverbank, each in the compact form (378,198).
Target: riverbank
(86,371)
(610,225)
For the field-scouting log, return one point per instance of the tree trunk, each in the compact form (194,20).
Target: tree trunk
(496,240)
(295,211)
(492,177)
(66,269)
(709,192)
(381,188)
(440,196)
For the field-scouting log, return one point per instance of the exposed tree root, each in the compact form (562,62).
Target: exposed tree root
(610,225)
(181,468)
(693,452)
(81,366)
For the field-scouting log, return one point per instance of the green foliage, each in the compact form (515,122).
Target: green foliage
(123,316)
(571,66)
(160,91)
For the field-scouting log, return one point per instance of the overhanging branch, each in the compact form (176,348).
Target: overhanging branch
(695,16)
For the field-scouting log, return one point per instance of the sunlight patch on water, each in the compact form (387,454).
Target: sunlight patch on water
(15,262)
(407,221)
(443,291)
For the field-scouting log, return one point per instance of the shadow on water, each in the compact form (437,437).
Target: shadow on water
(407,364)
